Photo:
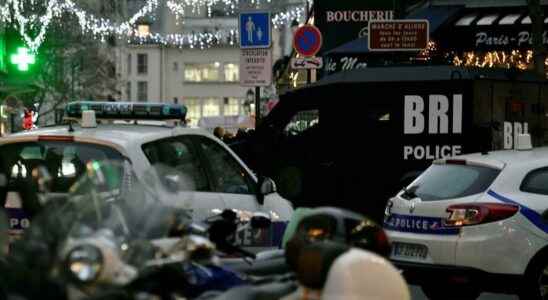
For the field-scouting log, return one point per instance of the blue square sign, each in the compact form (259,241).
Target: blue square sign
(255,30)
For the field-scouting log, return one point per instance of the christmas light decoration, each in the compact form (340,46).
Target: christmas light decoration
(16,12)
(519,59)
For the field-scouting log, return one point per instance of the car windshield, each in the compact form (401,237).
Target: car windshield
(64,161)
(449,181)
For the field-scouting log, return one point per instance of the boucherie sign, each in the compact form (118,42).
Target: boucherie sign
(344,21)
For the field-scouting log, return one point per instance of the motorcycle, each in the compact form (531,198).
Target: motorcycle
(106,240)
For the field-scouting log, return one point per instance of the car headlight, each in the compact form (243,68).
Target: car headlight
(84,263)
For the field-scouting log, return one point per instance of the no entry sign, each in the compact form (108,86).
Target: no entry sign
(307,40)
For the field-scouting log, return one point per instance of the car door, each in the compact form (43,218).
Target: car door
(228,177)
(533,197)
(177,160)
(238,189)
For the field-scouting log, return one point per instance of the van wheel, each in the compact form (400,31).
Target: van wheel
(535,285)
(438,291)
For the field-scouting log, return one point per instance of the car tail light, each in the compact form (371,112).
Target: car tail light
(56,138)
(478,213)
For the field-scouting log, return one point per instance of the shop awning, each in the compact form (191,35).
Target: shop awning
(436,15)
(488,29)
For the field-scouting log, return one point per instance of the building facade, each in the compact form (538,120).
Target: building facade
(206,80)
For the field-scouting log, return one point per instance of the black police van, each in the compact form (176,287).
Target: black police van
(353,139)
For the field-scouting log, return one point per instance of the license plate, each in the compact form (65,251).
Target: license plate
(409,250)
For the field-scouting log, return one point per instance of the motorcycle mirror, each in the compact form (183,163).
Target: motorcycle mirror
(260,221)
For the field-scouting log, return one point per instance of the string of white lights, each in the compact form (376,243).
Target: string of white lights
(33,27)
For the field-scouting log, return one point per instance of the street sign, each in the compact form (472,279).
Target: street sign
(255,30)
(398,35)
(307,63)
(256,67)
(307,40)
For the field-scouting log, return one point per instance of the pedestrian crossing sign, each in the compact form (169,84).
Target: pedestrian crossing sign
(255,30)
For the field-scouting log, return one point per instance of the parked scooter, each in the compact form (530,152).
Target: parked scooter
(334,254)
(98,242)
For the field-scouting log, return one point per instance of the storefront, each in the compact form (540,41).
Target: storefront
(492,37)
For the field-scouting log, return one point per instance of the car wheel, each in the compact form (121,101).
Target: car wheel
(446,291)
(535,286)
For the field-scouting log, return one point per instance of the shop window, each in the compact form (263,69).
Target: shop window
(202,72)
(466,20)
(509,19)
(487,20)
(232,72)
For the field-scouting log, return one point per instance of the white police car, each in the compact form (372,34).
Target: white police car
(218,179)
(475,223)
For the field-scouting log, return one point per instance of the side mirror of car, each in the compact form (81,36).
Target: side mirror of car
(260,220)
(267,186)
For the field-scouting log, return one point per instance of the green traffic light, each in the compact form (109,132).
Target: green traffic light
(23,59)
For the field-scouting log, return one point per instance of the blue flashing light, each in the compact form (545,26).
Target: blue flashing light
(127,110)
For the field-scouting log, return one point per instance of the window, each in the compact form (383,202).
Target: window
(128,91)
(194,110)
(178,156)
(142,91)
(450,181)
(142,64)
(143,30)
(536,182)
(228,176)
(65,161)
(231,106)
(232,72)
(302,121)
(202,72)
(129,64)
(212,107)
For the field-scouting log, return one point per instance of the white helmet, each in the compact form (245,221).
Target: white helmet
(363,275)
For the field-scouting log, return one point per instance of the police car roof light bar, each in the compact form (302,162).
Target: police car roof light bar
(126,111)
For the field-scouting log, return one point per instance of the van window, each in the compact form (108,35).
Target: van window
(302,121)
(536,182)
(449,181)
